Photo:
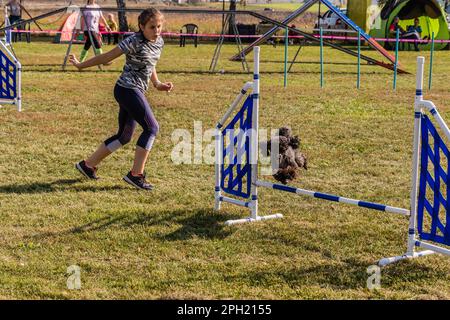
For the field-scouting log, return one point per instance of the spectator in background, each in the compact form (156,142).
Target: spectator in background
(101,33)
(403,33)
(293,34)
(113,28)
(396,26)
(416,28)
(15,14)
(91,21)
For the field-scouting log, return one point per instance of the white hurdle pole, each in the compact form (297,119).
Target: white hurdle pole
(8,33)
(334,198)
(19,86)
(254,131)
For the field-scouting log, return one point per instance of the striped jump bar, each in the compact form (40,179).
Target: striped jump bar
(330,197)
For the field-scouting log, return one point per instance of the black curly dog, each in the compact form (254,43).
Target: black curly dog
(290,158)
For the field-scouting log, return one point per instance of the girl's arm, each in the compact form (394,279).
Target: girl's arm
(161,86)
(97,60)
(105,23)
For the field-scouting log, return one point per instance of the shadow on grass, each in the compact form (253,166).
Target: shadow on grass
(202,223)
(347,275)
(57,185)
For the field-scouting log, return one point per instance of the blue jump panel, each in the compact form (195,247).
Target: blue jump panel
(433,205)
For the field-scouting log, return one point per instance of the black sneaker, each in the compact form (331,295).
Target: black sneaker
(138,182)
(86,171)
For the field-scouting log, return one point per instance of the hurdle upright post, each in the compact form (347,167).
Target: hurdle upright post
(321,57)
(415,159)
(7,38)
(19,86)
(430,78)
(286,44)
(397,40)
(358,81)
(254,131)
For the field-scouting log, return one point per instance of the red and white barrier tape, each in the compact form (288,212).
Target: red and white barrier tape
(207,35)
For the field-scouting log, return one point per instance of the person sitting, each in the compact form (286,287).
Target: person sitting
(395,26)
(416,27)
(293,36)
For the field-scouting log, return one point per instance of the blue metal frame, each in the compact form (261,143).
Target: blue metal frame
(431,154)
(8,72)
(230,183)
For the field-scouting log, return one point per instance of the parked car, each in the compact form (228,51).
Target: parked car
(330,20)
(447,10)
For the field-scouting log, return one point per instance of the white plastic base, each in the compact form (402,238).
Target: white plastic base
(250,219)
(386,261)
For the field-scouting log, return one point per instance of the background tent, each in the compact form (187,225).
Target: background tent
(67,28)
(430,13)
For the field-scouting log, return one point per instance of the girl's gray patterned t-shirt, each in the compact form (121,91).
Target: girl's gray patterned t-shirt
(141,58)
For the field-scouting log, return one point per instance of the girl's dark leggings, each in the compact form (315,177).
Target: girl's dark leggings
(134,108)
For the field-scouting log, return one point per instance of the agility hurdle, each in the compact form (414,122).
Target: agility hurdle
(10,78)
(237,182)
(428,222)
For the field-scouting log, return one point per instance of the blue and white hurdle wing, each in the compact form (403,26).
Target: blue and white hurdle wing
(429,225)
(237,153)
(10,78)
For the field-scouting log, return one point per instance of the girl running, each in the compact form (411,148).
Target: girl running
(143,50)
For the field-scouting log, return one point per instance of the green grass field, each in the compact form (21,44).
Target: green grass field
(169,243)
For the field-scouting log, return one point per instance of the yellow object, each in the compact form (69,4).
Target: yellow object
(359,11)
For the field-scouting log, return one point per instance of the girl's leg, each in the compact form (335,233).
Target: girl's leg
(146,119)
(125,133)
(138,107)
(86,47)
(96,42)
(101,153)
(123,136)
(97,45)
(140,158)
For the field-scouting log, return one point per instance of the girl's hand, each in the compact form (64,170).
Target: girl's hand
(73,60)
(164,86)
